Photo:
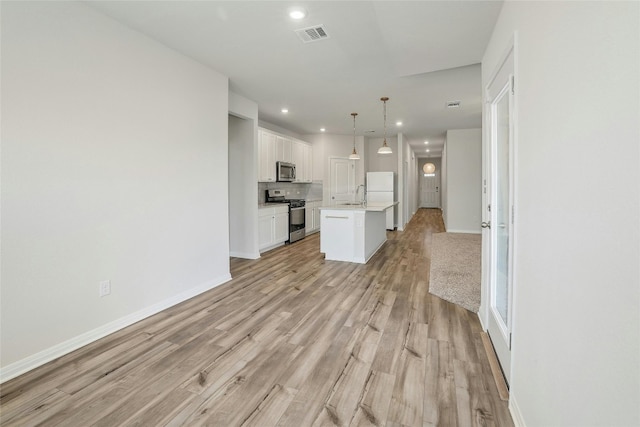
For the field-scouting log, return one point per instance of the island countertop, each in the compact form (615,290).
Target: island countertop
(367,207)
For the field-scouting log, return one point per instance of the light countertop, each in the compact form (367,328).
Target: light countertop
(269,205)
(378,207)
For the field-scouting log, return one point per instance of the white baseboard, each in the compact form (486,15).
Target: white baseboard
(31,362)
(518,420)
(268,248)
(465,231)
(484,328)
(245,255)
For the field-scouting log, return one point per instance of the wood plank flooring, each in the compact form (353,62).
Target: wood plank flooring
(292,340)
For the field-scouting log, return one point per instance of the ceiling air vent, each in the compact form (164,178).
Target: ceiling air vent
(312,34)
(453,104)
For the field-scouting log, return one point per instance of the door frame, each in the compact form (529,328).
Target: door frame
(353,176)
(437,181)
(485,312)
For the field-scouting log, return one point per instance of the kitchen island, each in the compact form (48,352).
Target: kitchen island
(353,232)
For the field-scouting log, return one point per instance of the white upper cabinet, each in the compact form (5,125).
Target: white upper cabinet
(298,158)
(278,148)
(283,149)
(308,162)
(302,159)
(267,156)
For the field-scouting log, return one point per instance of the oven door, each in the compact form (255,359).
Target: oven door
(296,224)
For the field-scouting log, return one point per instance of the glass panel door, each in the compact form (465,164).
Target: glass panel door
(501,226)
(499,229)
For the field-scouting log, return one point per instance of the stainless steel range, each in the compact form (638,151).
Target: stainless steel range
(296,213)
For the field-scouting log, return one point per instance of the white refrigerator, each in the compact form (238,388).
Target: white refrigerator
(380,190)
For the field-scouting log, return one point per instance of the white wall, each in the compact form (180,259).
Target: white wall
(243,187)
(410,180)
(280,129)
(243,177)
(326,146)
(462,210)
(407,179)
(443,182)
(400,183)
(414,176)
(576,332)
(381,162)
(114,167)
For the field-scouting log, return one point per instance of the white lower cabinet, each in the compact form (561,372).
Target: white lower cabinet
(273,227)
(265,227)
(308,218)
(312,217)
(352,235)
(316,215)
(281,226)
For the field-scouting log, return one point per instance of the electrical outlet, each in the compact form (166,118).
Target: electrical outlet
(105,288)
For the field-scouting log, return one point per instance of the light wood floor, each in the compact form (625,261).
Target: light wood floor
(292,340)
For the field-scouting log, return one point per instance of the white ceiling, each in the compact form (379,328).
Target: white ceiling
(420,54)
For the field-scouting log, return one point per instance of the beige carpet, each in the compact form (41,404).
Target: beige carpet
(455,269)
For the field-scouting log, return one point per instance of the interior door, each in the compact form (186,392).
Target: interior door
(430,190)
(500,97)
(342,179)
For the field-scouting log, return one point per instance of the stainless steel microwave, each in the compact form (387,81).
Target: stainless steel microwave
(285,172)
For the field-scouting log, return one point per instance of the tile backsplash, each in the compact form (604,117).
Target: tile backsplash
(311,191)
(315,191)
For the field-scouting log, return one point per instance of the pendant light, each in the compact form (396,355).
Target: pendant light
(385,149)
(354,155)
(429,168)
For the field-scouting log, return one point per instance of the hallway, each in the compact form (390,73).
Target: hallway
(292,340)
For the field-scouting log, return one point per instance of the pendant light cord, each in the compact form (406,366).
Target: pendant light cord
(354,154)
(384,106)
(385,149)
(354,129)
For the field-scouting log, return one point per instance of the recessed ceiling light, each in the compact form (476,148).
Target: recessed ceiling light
(428,150)
(426,142)
(398,123)
(322,129)
(285,110)
(297,13)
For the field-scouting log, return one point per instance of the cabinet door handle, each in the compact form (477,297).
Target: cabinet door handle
(336,217)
